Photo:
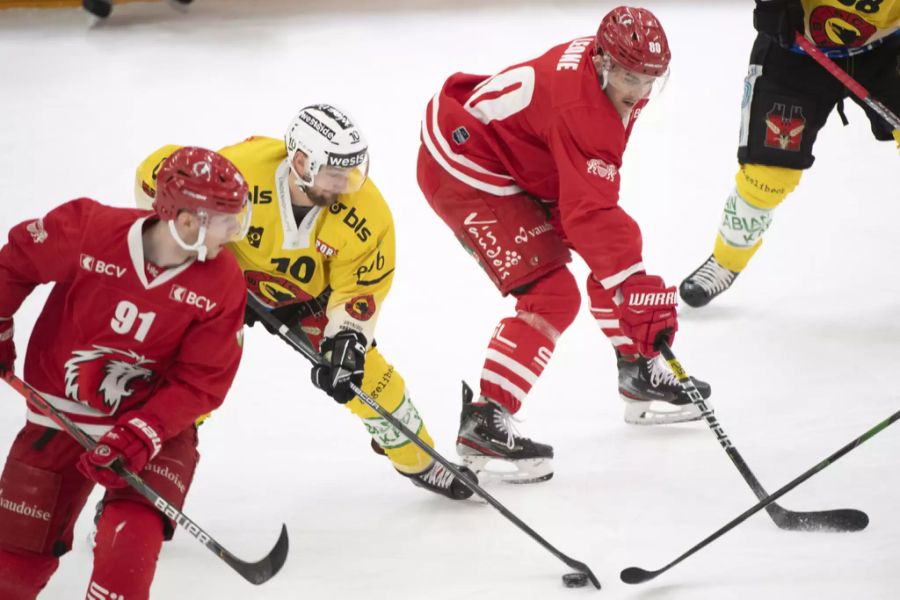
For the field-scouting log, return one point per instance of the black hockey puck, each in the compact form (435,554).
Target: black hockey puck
(575,580)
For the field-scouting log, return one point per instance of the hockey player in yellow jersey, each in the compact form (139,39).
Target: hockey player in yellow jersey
(787,99)
(319,254)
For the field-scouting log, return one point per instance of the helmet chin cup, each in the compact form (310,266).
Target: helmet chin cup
(199,247)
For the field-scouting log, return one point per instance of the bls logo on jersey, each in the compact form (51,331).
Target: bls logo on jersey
(784,127)
(92,265)
(186,296)
(258,196)
(352,220)
(103,377)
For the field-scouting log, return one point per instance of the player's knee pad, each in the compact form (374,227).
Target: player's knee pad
(748,209)
(553,301)
(129,538)
(23,576)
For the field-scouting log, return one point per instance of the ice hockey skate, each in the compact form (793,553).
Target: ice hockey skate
(490,445)
(707,282)
(440,480)
(653,395)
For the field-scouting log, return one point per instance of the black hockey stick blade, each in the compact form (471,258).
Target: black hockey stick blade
(256,573)
(637,575)
(837,520)
(264,569)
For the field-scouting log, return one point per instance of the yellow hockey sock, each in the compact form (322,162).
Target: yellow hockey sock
(387,388)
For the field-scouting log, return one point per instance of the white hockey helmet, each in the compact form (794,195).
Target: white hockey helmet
(335,153)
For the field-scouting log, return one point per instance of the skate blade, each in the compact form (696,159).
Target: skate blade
(528,470)
(655,412)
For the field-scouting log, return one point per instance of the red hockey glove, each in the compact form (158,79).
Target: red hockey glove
(345,357)
(648,312)
(134,440)
(7,346)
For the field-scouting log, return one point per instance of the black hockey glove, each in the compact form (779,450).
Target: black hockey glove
(345,356)
(779,19)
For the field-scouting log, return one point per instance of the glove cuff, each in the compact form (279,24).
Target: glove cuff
(146,429)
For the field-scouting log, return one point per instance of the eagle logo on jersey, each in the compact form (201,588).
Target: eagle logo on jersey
(784,128)
(361,308)
(833,27)
(274,291)
(103,377)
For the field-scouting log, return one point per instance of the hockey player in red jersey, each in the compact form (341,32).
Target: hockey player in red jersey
(139,337)
(524,166)
(787,100)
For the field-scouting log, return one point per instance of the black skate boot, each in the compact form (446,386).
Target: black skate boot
(487,435)
(707,282)
(441,481)
(99,8)
(653,395)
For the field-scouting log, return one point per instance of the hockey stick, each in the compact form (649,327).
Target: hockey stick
(851,84)
(256,572)
(639,575)
(843,519)
(301,344)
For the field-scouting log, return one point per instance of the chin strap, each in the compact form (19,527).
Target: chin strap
(198,246)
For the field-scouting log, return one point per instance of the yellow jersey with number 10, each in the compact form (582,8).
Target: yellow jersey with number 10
(348,247)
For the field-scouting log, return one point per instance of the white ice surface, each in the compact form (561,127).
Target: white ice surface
(801,353)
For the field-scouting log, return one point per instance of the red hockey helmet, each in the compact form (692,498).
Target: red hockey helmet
(196,179)
(634,38)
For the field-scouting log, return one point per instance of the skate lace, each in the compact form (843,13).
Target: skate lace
(505,423)
(660,373)
(438,476)
(713,277)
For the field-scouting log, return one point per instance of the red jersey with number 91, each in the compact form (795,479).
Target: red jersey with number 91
(116,333)
(547,128)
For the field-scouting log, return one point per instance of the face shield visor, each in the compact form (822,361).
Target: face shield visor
(332,173)
(220,227)
(630,84)
(231,227)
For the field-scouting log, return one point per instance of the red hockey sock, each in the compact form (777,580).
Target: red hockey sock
(23,576)
(522,345)
(129,537)
(515,359)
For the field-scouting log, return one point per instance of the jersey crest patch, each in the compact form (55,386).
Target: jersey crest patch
(361,308)
(273,290)
(832,27)
(103,377)
(784,127)
(601,168)
(37,231)
(254,236)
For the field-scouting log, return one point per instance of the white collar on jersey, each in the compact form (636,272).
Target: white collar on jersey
(295,238)
(136,250)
